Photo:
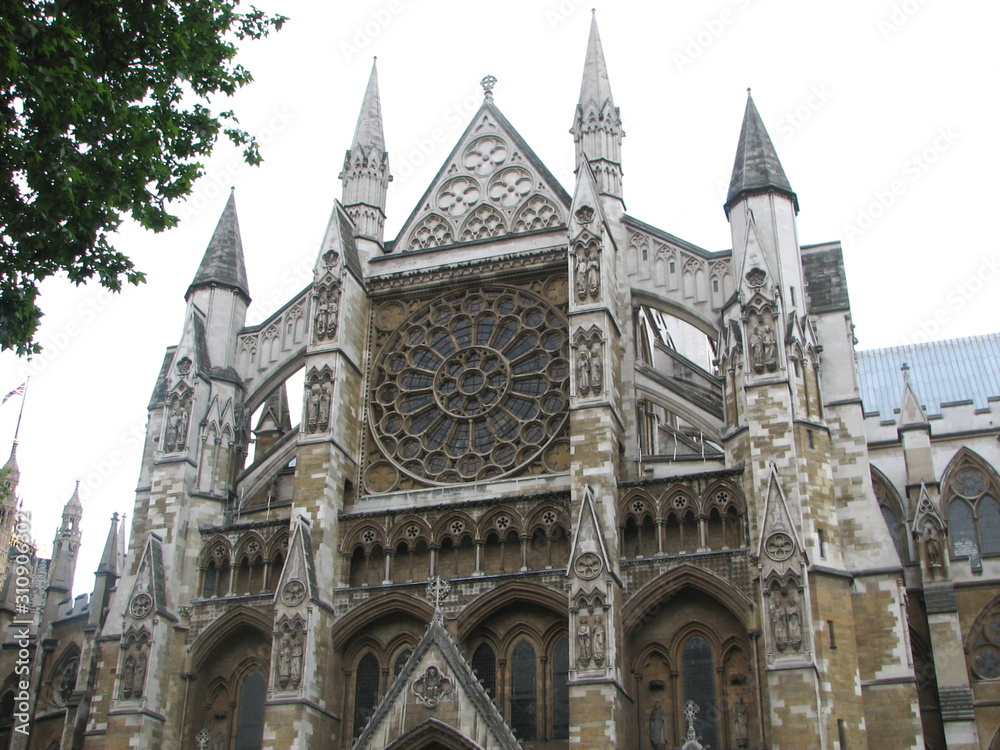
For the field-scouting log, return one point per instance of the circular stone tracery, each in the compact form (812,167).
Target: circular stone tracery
(473,385)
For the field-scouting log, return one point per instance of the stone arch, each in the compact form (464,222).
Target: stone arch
(220,631)
(347,627)
(514,591)
(982,646)
(668,584)
(443,528)
(705,320)
(400,533)
(433,733)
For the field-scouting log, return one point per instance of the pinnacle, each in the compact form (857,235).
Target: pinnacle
(757,168)
(596,86)
(223,262)
(368,132)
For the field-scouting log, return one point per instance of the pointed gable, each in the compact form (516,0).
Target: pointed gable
(223,263)
(491,185)
(589,554)
(779,539)
(911,413)
(436,691)
(756,168)
(149,590)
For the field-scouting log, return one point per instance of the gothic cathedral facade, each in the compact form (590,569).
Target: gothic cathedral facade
(559,479)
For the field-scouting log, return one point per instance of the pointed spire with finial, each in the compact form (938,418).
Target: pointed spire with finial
(109,559)
(366,167)
(12,473)
(597,127)
(911,413)
(757,168)
(223,264)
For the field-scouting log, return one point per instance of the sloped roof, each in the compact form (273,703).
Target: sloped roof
(223,262)
(757,167)
(963,370)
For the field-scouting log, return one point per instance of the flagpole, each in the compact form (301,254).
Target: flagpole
(24,397)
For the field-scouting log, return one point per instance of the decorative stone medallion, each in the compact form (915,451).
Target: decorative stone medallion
(779,546)
(293,592)
(141,605)
(588,566)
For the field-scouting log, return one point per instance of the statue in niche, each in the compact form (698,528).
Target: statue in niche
(583,652)
(593,274)
(432,687)
(757,350)
(313,407)
(779,623)
(598,638)
(284,661)
(324,407)
(932,545)
(581,277)
(596,368)
(770,349)
(295,664)
(139,676)
(219,743)
(741,714)
(794,619)
(177,426)
(582,372)
(128,676)
(319,321)
(658,727)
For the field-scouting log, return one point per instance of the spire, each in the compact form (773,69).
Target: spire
(597,128)
(223,263)
(109,559)
(366,167)
(596,86)
(73,506)
(911,413)
(757,168)
(12,472)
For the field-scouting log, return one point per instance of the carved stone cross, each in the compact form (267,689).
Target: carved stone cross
(437,591)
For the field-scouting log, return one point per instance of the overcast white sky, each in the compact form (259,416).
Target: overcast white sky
(883,112)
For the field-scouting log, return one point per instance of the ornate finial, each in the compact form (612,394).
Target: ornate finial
(202,739)
(114,517)
(488,83)
(748,91)
(437,591)
(691,710)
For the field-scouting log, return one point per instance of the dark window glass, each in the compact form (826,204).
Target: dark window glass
(209,588)
(894,530)
(365,691)
(699,686)
(523,695)
(989,525)
(560,690)
(401,662)
(484,664)
(963,529)
(250,729)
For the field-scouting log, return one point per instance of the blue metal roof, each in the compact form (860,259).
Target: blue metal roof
(965,370)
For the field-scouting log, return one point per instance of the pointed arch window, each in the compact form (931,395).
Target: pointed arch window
(524,692)
(484,664)
(973,511)
(250,727)
(365,691)
(698,669)
(560,690)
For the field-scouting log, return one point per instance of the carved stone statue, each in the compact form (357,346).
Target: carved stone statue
(139,676)
(658,727)
(432,687)
(312,409)
(582,372)
(583,652)
(596,368)
(598,637)
(794,619)
(581,277)
(219,743)
(295,663)
(741,715)
(932,545)
(68,682)
(324,408)
(284,661)
(779,624)
(770,349)
(593,274)
(319,321)
(757,350)
(128,677)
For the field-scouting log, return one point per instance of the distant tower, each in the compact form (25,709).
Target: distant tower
(65,548)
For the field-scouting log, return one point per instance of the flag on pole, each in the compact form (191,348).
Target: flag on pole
(19,391)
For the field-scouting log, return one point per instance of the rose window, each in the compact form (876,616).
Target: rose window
(510,186)
(473,386)
(458,195)
(485,155)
